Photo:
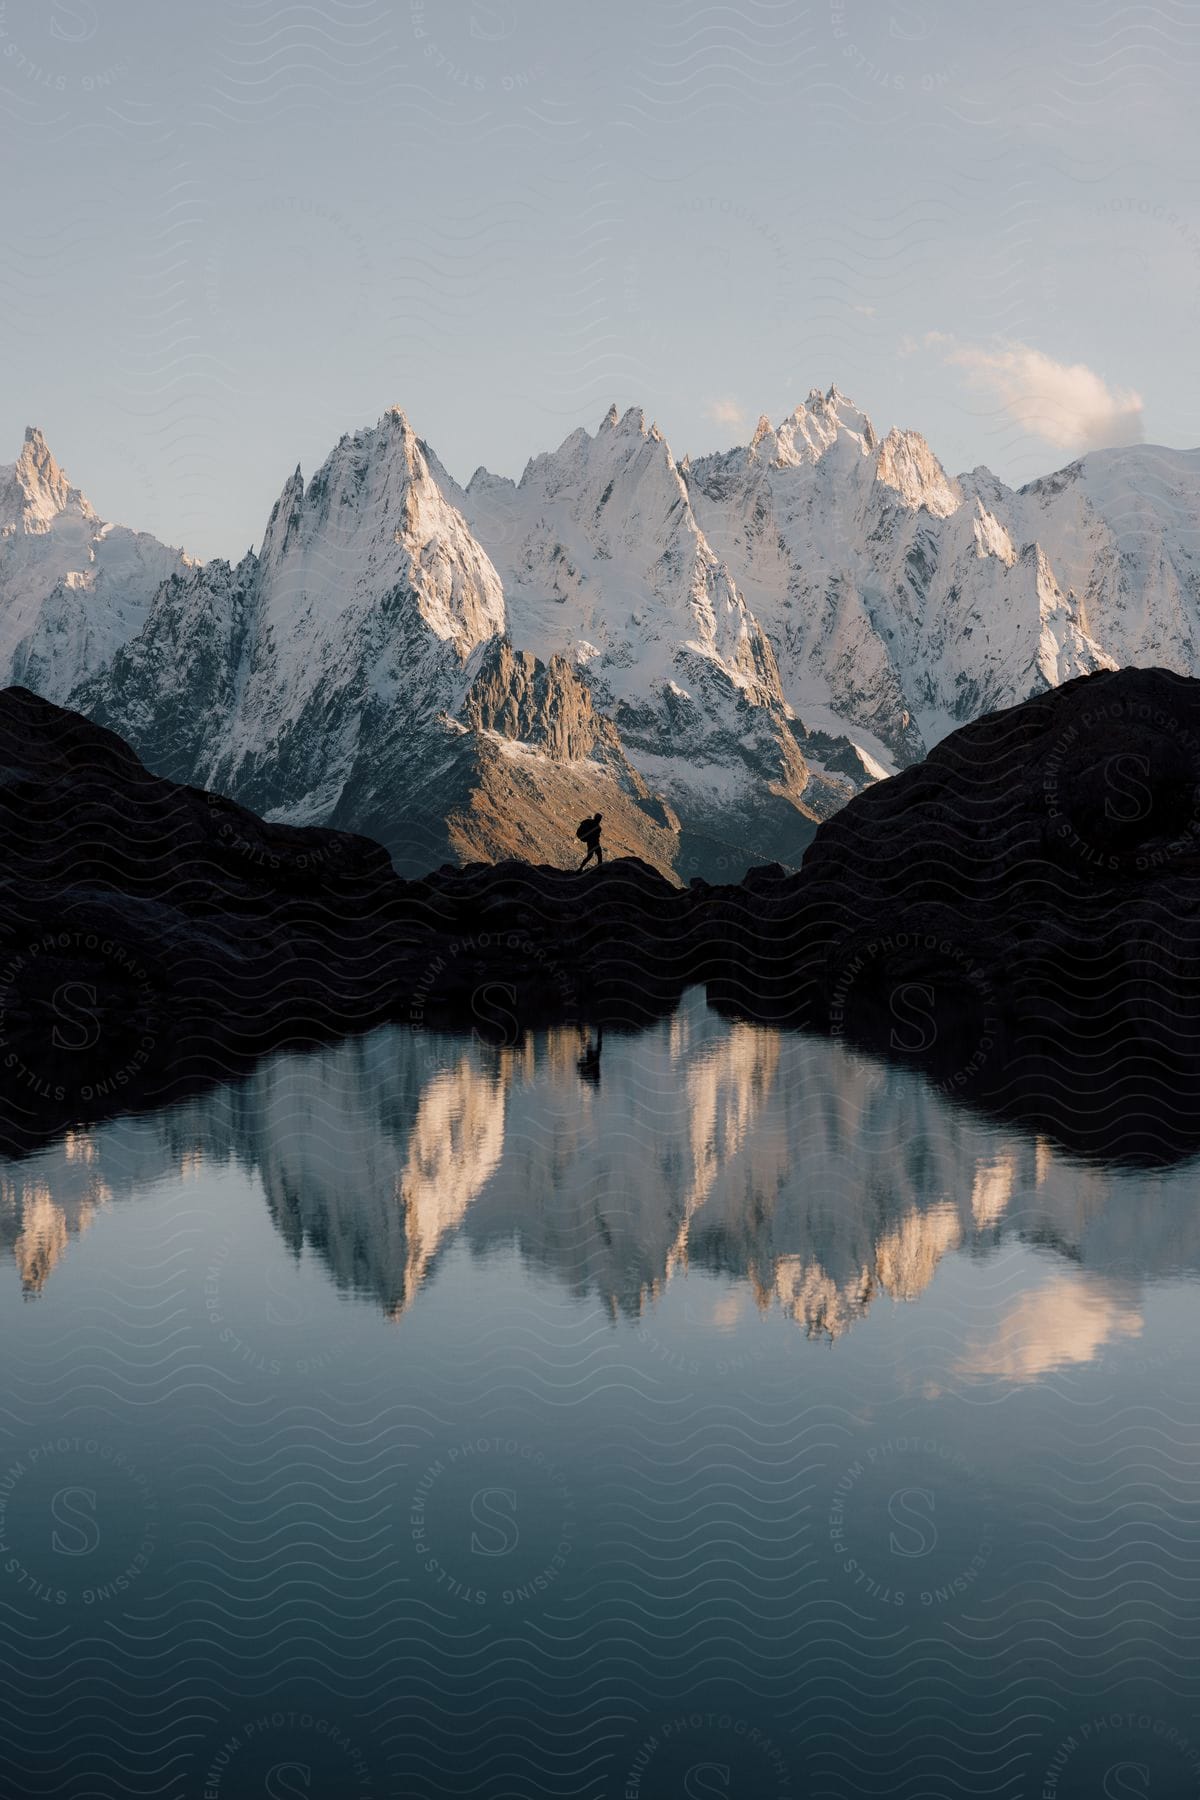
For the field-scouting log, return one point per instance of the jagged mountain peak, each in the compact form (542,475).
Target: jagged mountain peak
(906,463)
(391,444)
(603,563)
(35,490)
(835,410)
(824,422)
(622,449)
(284,517)
(828,431)
(378,520)
(833,400)
(483,481)
(393,433)
(378,477)
(980,483)
(630,423)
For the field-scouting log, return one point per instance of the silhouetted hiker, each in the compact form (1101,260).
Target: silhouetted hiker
(589,1063)
(589,831)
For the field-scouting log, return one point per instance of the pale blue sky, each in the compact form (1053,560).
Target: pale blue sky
(235,231)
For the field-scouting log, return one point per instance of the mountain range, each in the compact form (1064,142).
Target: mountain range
(716,654)
(453,1147)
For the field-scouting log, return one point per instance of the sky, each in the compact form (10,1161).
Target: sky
(235,232)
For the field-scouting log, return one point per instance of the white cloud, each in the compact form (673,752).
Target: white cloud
(726,412)
(1068,1319)
(1066,404)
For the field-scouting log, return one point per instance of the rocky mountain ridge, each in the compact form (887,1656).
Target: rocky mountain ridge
(716,653)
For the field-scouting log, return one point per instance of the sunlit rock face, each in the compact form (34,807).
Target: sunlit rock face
(808,1182)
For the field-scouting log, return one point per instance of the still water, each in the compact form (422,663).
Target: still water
(714,1413)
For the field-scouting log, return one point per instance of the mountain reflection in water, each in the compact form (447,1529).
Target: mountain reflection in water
(815,1180)
(706,1409)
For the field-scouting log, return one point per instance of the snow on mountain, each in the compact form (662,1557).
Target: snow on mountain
(604,564)
(370,598)
(319,666)
(174,689)
(714,653)
(1121,530)
(356,671)
(72,588)
(34,491)
(898,603)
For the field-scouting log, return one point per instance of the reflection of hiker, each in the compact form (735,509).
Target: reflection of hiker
(589,832)
(589,1063)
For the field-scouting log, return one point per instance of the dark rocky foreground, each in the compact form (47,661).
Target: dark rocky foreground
(1019,914)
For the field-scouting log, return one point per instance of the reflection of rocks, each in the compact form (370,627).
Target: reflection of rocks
(908,1254)
(992,1189)
(456,1144)
(614,1188)
(818,1182)
(43,1239)
(371,1157)
(38,1219)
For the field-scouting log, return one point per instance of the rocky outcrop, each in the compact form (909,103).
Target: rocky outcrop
(542,704)
(511,777)
(1019,914)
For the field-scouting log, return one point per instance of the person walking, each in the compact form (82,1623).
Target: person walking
(589,833)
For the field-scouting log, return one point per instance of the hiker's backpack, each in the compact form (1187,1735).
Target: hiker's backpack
(583,829)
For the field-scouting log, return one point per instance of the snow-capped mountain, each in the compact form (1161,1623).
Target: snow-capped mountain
(1121,529)
(895,597)
(604,564)
(72,589)
(715,654)
(357,671)
(354,627)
